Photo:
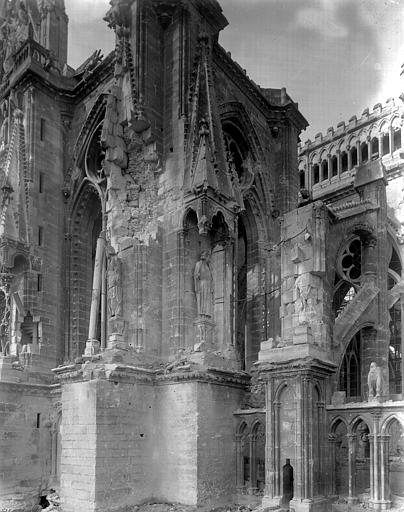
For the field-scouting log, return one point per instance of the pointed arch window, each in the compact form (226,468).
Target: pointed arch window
(395,328)
(350,370)
(238,153)
(334,165)
(344,161)
(396,139)
(375,147)
(364,152)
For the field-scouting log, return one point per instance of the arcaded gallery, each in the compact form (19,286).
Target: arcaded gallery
(196,307)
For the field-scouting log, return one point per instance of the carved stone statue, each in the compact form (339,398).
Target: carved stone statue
(374,381)
(13,30)
(304,293)
(204,286)
(114,284)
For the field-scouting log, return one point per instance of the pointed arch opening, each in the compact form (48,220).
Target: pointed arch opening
(86,227)
(247,305)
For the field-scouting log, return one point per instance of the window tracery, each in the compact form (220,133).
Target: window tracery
(350,370)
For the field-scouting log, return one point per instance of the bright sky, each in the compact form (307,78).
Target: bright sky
(335,57)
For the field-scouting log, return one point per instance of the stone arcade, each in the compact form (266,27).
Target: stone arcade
(190,307)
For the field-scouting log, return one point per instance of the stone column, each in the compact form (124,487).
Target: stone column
(277,450)
(93,345)
(358,151)
(322,455)
(307,441)
(391,140)
(339,162)
(301,453)
(53,433)
(348,150)
(329,163)
(384,468)
(253,473)
(369,141)
(331,465)
(380,139)
(239,462)
(351,468)
(272,472)
(309,177)
(104,305)
(372,442)
(370,263)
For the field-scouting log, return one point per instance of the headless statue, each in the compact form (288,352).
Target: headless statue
(374,381)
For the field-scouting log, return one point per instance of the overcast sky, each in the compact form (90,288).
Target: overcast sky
(335,57)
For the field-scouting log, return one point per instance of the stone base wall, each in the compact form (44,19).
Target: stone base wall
(127,443)
(25,445)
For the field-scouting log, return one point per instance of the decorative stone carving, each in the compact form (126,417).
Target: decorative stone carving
(375,381)
(5,310)
(13,31)
(114,284)
(203,280)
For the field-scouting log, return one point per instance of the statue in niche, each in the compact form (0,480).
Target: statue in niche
(374,381)
(203,280)
(305,294)
(114,284)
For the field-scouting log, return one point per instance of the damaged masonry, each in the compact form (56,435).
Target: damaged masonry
(194,308)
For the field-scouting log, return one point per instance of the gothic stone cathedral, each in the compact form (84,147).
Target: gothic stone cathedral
(193,308)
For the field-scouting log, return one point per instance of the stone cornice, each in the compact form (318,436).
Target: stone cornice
(272,113)
(295,367)
(29,388)
(33,73)
(131,374)
(359,407)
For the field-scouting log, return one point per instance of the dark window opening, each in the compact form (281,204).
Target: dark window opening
(354,157)
(40,236)
(316,173)
(375,147)
(364,152)
(395,354)
(334,165)
(395,263)
(41,182)
(302,179)
(38,420)
(42,129)
(344,161)
(39,283)
(385,144)
(396,139)
(324,169)
(395,346)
